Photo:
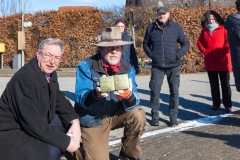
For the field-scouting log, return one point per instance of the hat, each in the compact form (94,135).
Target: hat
(112,36)
(162,9)
(120,20)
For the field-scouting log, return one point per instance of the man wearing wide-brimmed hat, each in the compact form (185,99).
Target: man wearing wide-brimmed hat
(107,99)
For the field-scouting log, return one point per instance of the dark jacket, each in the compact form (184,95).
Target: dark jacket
(91,109)
(129,53)
(161,44)
(25,133)
(232,25)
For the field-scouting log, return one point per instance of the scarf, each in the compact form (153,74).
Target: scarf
(212,27)
(108,68)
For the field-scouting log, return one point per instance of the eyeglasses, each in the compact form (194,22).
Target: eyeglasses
(49,56)
(117,48)
(121,26)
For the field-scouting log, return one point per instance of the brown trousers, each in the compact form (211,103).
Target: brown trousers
(95,140)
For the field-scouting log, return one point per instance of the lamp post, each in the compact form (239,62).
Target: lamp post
(22,56)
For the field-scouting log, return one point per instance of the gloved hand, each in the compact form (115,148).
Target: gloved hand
(124,94)
(98,90)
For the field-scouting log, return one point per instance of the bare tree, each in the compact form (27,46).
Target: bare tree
(10,7)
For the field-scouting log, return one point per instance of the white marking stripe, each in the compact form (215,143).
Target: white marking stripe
(181,127)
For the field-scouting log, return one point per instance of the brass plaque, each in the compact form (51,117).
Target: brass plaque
(115,82)
(121,82)
(107,84)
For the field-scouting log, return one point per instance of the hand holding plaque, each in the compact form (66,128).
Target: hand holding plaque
(113,83)
(100,93)
(126,93)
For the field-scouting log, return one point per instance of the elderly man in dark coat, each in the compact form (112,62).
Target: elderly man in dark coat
(37,121)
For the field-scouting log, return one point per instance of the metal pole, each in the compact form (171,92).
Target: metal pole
(133,32)
(1,60)
(22,30)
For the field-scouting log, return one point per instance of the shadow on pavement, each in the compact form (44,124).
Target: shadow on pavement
(226,137)
(191,109)
(235,104)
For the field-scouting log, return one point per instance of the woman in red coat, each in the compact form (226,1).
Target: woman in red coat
(213,43)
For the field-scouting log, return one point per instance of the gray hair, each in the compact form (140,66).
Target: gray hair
(51,41)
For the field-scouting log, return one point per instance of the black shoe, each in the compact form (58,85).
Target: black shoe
(155,123)
(214,108)
(173,124)
(228,110)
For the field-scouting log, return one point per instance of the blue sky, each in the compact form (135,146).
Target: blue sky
(42,5)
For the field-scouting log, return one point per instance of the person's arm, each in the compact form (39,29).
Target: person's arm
(147,43)
(134,100)
(64,108)
(226,48)
(134,58)
(70,119)
(26,102)
(75,134)
(85,95)
(200,43)
(183,41)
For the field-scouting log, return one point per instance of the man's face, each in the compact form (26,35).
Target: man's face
(163,17)
(49,58)
(112,55)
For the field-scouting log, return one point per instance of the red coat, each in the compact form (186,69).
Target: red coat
(215,49)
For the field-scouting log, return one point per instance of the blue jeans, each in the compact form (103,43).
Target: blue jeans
(156,81)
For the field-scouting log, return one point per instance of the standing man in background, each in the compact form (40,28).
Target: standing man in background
(232,25)
(161,41)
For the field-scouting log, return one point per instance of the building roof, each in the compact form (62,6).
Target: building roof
(68,8)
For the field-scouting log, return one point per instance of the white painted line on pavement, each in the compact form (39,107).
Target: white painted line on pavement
(181,127)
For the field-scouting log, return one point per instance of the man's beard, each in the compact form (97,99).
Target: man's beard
(111,62)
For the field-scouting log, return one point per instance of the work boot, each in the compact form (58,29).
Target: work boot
(155,122)
(173,124)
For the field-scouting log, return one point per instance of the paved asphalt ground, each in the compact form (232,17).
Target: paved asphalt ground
(219,141)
